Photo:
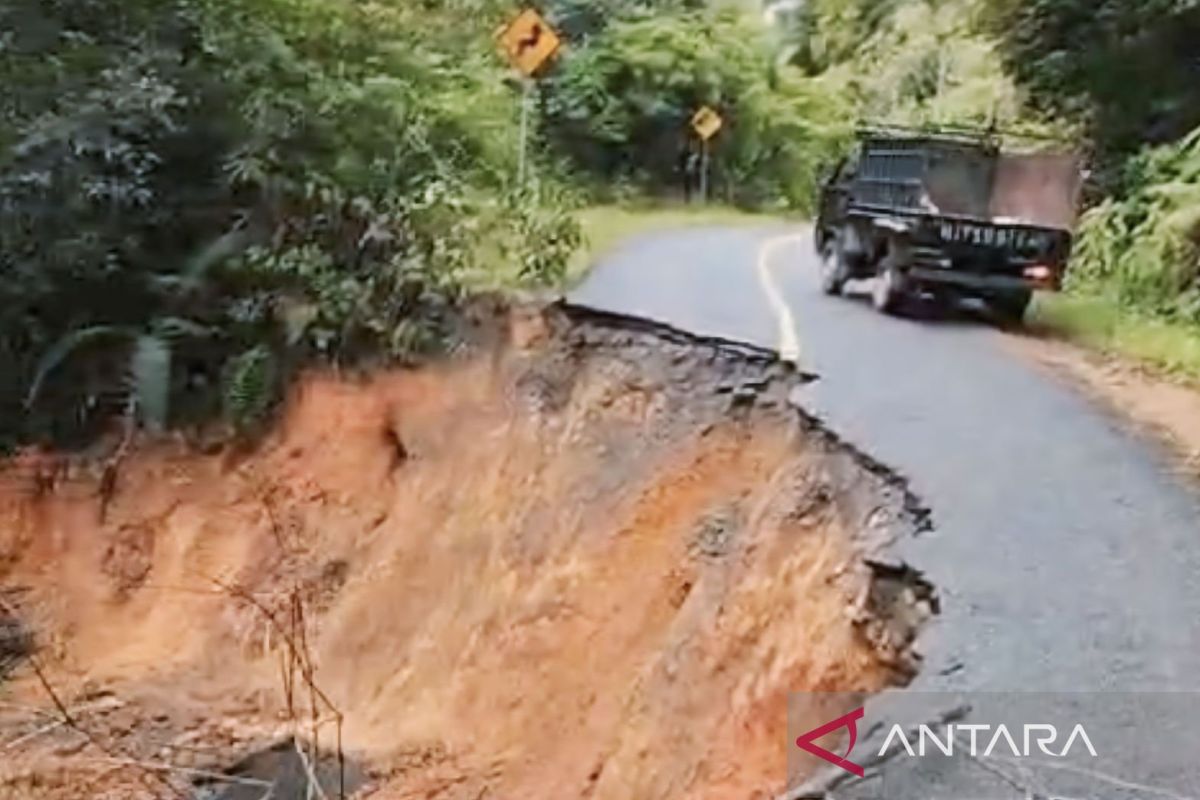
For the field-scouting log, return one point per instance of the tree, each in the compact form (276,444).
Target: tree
(1130,68)
(619,107)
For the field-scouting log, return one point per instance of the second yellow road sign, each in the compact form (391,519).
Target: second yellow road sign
(529,42)
(707,123)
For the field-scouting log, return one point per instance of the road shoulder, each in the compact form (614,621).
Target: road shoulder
(1167,410)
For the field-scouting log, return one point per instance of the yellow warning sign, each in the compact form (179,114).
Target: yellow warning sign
(529,42)
(707,123)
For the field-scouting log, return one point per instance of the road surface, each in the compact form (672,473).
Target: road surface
(1066,554)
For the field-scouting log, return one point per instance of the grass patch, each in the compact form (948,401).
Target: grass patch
(1103,324)
(608,226)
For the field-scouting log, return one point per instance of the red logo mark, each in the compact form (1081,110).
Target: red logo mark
(850,723)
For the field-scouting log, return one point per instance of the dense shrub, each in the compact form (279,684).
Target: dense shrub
(186,181)
(1144,248)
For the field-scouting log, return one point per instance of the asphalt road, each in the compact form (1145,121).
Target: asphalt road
(1066,553)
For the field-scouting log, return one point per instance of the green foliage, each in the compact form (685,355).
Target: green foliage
(581,19)
(831,32)
(551,237)
(1126,70)
(249,387)
(619,107)
(1144,249)
(321,178)
(909,61)
(1130,68)
(62,350)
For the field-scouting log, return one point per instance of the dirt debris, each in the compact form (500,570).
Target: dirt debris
(590,557)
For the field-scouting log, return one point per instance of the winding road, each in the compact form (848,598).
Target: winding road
(1066,553)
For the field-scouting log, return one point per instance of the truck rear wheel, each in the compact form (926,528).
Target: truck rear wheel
(889,290)
(833,269)
(1012,306)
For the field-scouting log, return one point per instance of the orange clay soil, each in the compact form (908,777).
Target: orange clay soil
(512,582)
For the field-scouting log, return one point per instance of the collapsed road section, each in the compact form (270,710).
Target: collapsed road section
(588,556)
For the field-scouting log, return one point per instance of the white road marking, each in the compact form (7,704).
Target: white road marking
(789,342)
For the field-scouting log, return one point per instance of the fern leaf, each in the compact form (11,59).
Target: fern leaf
(249,386)
(220,249)
(63,349)
(178,328)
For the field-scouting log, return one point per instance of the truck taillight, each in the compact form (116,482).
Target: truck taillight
(1040,273)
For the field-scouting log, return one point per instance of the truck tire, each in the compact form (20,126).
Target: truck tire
(834,273)
(1011,307)
(889,290)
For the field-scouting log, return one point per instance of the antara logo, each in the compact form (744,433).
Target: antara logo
(1043,736)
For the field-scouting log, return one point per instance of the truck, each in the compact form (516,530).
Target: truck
(947,214)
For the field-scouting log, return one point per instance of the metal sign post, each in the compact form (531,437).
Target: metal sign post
(529,43)
(706,123)
(523,142)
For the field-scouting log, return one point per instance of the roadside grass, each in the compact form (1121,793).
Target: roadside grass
(1103,324)
(605,227)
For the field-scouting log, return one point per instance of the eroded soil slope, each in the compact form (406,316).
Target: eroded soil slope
(585,559)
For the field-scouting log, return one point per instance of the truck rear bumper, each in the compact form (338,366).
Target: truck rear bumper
(978,281)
